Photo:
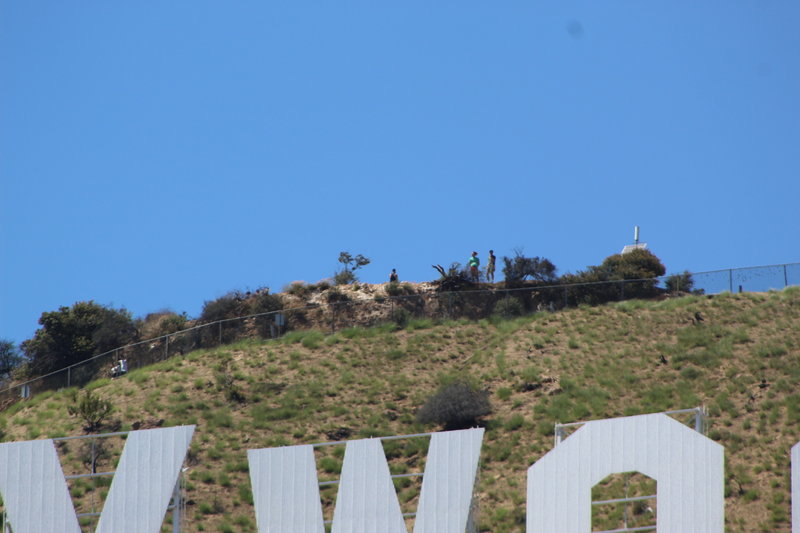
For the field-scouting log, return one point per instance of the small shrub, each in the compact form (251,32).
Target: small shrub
(228,306)
(504,393)
(92,409)
(264,302)
(520,268)
(226,382)
(401,317)
(691,372)
(680,282)
(162,323)
(394,289)
(509,307)
(515,422)
(335,296)
(349,265)
(395,355)
(457,405)
(312,340)
(297,288)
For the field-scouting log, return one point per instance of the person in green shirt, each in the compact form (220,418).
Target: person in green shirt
(474,263)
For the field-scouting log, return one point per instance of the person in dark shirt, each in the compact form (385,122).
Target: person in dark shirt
(490,267)
(393,277)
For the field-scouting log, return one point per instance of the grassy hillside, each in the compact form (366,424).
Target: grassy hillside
(742,362)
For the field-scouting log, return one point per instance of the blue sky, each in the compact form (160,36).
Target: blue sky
(159,154)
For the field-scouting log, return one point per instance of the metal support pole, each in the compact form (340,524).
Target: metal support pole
(176,507)
(69,376)
(566,301)
(730,280)
(166,346)
(559,434)
(220,332)
(699,420)
(785,277)
(622,290)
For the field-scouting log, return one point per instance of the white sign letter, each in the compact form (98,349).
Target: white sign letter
(687,466)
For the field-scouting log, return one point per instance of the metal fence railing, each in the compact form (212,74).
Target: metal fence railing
(340,312)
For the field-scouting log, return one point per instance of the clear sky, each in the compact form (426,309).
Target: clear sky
(160,154)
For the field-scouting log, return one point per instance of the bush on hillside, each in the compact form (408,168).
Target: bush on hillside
(395,288)
(350,264)
(76,333)
(455,278)
(401,317)
(335,296)
(10,358)
(509,307)
(635,275)
(680,282)
(264,302)
(457,405)
(92,409)
(520,268)
(230,305)
(162,323)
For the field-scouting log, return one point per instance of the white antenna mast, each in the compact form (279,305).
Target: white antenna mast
(636,244)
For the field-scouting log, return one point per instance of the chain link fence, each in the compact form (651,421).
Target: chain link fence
(343,312)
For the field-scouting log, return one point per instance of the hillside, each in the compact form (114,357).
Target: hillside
(742,362)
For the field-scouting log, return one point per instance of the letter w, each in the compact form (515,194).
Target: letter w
(37,498)
(287,499)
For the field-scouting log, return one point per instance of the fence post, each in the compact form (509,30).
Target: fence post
(730,280)
(220,332)
(166,347)
(566,298)
(785,278)
(622,290)
(69,376)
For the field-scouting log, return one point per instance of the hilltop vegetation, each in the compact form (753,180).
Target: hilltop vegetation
(742,361)
(71,335)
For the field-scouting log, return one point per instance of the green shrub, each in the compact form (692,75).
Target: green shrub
(264,302)
(680,282)
(10,357)
(349,265)
(393,289)
(519,268)
(396,289)
(515,422)
(230,305)
(509,307)
(75,333)
(458,405)
(635,275)
(162,323)
(335,296)
(401,317)
(92,409)
(312,340)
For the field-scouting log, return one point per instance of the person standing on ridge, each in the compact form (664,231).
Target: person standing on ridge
(474,263)
(393,277)
(490,267)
